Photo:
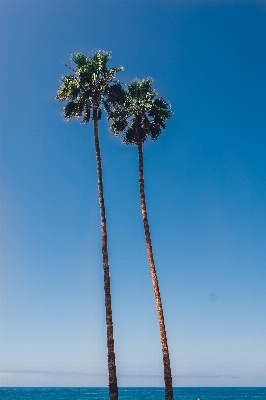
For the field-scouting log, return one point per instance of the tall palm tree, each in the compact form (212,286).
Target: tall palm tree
(85,92)
(141,114)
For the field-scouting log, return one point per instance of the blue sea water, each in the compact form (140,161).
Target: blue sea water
(132,393)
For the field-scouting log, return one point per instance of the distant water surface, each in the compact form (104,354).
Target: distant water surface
(132,393)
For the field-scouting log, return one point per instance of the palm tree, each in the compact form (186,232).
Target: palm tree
(140,114)
(84,93)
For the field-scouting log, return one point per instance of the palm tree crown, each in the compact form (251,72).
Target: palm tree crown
(89,87)
(140,113)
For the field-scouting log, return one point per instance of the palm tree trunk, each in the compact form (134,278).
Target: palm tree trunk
(166,359)
(113,390)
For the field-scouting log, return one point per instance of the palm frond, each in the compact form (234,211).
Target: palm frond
(79,59)
(87,114)
(69,89)
(73,109)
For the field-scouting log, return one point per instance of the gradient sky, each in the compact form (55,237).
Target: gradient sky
(205,186)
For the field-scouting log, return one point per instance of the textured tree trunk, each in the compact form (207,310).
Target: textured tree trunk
(166,359)
(113,390)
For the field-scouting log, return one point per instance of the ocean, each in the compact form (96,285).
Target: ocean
(132,393)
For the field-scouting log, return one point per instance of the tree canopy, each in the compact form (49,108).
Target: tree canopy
(90,86)
(139,113)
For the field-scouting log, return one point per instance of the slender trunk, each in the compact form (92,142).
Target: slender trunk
(113,391)
(166,359)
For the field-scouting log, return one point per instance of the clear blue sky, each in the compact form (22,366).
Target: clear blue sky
(205,186)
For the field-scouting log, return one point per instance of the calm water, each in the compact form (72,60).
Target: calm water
(132,393)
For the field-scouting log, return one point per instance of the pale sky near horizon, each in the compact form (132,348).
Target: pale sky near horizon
(205,185)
